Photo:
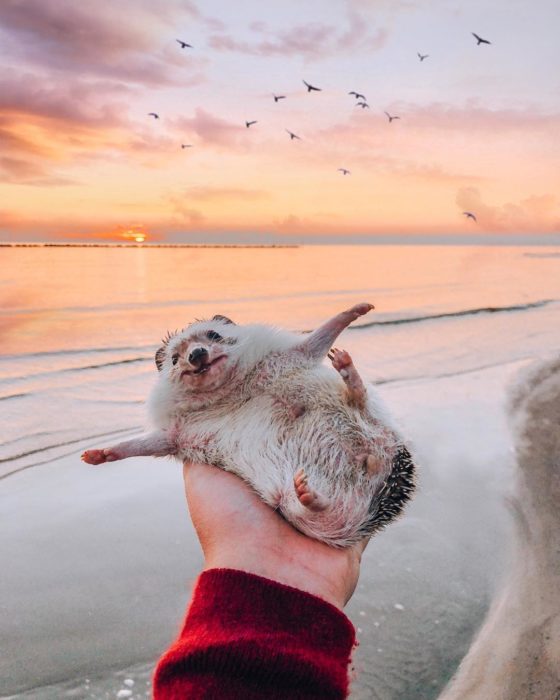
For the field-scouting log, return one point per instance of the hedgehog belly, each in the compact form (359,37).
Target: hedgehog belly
(264,444)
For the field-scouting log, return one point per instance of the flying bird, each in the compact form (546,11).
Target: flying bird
(363,105)
(390,117)
(279,97)
(311,87)
(248,124)
(183,44)
(292,135)
(344,171)
(470,215)
(153,114)
(186,145)
(480,40)
(422,56)
(357,95)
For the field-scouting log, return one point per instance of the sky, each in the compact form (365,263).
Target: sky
(82,160)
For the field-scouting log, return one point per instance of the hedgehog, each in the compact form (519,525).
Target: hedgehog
(311,439)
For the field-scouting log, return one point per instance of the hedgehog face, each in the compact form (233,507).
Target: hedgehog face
(201,357)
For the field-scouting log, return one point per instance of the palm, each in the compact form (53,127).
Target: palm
(238,531)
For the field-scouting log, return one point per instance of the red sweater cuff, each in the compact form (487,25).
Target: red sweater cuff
(247,637)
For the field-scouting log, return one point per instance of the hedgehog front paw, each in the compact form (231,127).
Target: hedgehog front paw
(98,456)
(340,361)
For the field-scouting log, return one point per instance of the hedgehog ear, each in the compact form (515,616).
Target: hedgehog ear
(160,357)
(160,354)
(223,319)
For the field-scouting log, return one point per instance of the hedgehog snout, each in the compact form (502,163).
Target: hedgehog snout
(198,356)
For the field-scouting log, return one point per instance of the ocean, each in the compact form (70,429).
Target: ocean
(100,560)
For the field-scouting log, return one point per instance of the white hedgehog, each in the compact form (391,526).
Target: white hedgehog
(257,401)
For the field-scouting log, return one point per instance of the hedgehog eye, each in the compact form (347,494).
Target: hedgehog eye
(212,335)
(175,358)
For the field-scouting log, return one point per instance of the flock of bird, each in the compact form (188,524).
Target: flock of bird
(361,102)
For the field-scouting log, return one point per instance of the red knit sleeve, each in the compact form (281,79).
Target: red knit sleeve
(247,637)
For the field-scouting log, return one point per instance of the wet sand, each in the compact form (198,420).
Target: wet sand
(102,559)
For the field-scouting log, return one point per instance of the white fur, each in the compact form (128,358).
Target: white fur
(246,425)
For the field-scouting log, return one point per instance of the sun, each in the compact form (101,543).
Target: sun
(134,233)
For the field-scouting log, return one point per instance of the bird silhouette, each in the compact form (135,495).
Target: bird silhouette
(311,87)
(279,97)
(248,124)
(391,117)
(422,56)
(183,44)
(357,95)
(344,171)
(470,215)
(480,40)
(363,105)
(292,135)
(153,114)
(186,145)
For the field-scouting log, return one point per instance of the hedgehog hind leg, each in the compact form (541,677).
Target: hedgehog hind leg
(307,496)
(356,393)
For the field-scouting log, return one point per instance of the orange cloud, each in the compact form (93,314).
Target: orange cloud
(133,233)
(210,194)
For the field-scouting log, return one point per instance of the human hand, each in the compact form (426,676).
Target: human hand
(237,530)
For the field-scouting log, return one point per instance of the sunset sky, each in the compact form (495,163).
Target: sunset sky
(81,160)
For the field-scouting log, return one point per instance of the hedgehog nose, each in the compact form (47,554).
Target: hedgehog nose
(198,355)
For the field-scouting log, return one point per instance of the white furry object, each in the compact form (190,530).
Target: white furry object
(258,402)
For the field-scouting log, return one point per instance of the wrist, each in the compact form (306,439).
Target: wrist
(331,577)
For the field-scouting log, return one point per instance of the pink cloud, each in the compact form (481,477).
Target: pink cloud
(473,117)
(210,129)
(74,101)
(311,40)
(537,213)
(101,39)
(358,35)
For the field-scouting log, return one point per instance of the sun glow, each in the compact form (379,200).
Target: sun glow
(134,234)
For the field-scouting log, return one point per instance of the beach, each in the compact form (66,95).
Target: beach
(101,560)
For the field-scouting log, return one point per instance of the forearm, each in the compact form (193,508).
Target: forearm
(249,637)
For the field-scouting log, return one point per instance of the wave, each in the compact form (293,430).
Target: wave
(139,358)
(170,303)
(78,351)
(456,314)
(126,361)
(454,373)
(64,370)
(12,396)
(47,448)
